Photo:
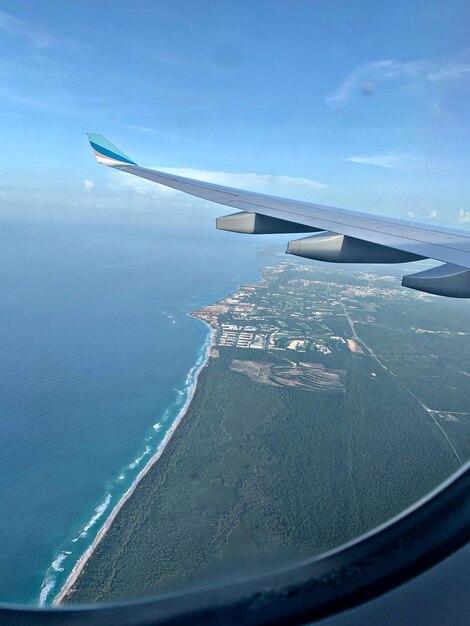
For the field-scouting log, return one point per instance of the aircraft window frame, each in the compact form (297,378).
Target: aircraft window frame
(361,570)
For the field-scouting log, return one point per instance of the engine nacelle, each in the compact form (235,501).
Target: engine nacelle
(336,248)
(448,280)
(256,224)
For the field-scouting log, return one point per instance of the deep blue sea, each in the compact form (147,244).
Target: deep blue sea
(97,352)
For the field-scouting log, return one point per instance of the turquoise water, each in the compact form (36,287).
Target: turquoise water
(98,357)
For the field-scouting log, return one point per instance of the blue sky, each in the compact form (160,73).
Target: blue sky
(357,104)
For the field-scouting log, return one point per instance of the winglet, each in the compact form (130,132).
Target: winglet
(106,153)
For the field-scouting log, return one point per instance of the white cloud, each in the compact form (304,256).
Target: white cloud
(88,184)
(463,217)
(20,99)
(34,35)
(250,180)
(449,72)
(380,160)
(142,129)
(433,215)
(360,74)
(366,77)
(266,183)
(411,215)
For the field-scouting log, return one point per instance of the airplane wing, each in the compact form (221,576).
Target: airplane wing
(341,235)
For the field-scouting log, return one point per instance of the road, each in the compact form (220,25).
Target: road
(429,411)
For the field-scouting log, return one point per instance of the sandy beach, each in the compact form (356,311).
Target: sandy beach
(75,573)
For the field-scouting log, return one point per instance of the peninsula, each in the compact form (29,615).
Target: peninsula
(314,420)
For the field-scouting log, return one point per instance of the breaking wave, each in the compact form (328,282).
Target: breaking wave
(57,573)
(56,565)
(100,509)
(136,461)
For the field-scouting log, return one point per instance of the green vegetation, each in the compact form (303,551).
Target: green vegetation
(258,474)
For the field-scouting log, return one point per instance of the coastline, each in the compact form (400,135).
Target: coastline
(82,561)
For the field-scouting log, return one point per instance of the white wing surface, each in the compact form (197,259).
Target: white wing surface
(341,235)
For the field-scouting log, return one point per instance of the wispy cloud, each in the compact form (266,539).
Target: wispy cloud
(463,217)
(433,215)
(380,160)
(362,74)
(449,72)
(142,129)
(250,180)
(267,183)
(35,35)
(155,55)
(411,215)
(366,77)
(88,184)
(18,98)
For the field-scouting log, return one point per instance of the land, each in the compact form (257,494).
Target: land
(330,402)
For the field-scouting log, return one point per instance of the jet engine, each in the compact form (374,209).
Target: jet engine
(256,224)
(326,246)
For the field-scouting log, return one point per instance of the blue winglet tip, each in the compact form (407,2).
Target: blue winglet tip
(106,152)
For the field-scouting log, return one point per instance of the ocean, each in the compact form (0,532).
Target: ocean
(98,358)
